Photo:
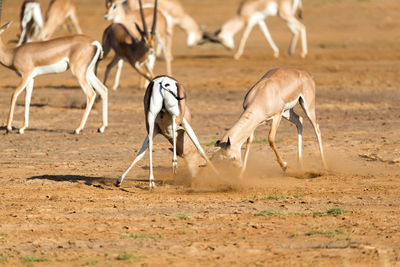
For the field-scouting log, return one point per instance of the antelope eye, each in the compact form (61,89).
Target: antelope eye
(167,84)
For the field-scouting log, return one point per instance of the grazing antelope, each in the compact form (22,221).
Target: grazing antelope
(78,52)
(31,22)
(271,98)
(252,12)
(176,15)
(119,12)
(167,114)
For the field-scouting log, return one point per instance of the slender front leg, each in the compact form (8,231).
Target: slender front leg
(28,95)
(271,139)
(139,156)
(245,35)
(21,86)
(267,35)
(195,141)
(246,155)
(118,74)
(174,160)
(142,72)
(298,121)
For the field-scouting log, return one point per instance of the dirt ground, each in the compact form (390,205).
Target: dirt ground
(59,206)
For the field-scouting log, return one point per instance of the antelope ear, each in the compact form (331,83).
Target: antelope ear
(140,30)
(228,144)
(5,26)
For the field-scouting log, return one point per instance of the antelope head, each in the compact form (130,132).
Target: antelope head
(145,34)
(225,40)
(5,27)
(113,7)
(225,152)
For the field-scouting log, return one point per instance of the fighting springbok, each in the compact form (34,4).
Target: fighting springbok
(176,15)
(31,22)
(78,52)
(167,114)
(56,15)
(271,98)
(252,12)
(119,12)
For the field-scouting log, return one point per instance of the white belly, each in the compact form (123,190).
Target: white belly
(58,67)
(271,10)
(291,104)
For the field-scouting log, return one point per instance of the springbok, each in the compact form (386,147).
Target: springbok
(78,52)
(176,15)
(56,15)
(167,114)
(271,98)
(252,12)
(31,22)
(119,12)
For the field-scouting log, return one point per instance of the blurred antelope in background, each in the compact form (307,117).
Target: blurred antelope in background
(32,26)
(167,114)
(176,15)
(158,39)
(271,98)
(31,22)
(78,52)
(253,12)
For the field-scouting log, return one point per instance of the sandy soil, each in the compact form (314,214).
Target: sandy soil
(59,206)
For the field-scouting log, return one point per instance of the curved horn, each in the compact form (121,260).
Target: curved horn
(153,28)
(142,16)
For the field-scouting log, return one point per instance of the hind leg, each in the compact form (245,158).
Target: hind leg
(310,112)
(28,95)
(103,92)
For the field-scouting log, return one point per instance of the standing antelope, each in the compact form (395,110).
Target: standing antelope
(176,15)
(271,98)
(78,52)
(252,12)
(56,15)
(31,22)
(119,12)
(167,114)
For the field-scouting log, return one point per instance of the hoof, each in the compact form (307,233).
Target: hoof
(76,131)
(303,55)
(237,56)
(152,186)
(284,166)
(9,130)
(101,129)
(117,184)
(21,131)
(276,54)
(174,167)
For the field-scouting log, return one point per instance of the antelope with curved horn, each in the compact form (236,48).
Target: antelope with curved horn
(167,114)
(271,98)
(119,12)
(78,52)
(253,12)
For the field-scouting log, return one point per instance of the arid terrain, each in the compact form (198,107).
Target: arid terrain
(59,205)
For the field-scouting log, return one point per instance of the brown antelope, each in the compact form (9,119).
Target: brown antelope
(31,22)
(56,15)
(252,12)
(167,114)
(176,15)
(271,98)
(119,12)
(78,52)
